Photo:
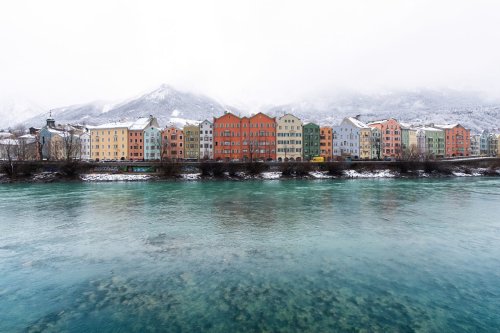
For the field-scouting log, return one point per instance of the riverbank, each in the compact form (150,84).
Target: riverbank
(457,171)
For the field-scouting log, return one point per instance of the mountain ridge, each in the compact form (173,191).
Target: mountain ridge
(172,106)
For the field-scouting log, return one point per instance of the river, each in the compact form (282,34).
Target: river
(380,255)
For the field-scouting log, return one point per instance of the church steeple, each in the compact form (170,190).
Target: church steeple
(50,121)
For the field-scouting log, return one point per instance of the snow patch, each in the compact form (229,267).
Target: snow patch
(191,176)
(320,175)
(271,175)
(368,174)
(181,122)
(95,177)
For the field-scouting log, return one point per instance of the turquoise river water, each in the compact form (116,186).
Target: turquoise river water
(253,256)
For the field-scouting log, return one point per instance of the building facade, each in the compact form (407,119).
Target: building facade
(152,143)
(310,139)
(376,144)
(475,145)
(85,153)
(244,139)
(347,142)
(289,138)
(498,145)
(59,142)
(136,150)
(457,140)
(206,140)
(390,132)
(325,143)
(227,137)
(172,144)
(408,142)
(365,143)
(259,138)
(191,142)
(430,142)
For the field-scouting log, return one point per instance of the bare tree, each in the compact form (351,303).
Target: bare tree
(71,145)
(9,152)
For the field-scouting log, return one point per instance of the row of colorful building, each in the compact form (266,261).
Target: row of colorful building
(258,137)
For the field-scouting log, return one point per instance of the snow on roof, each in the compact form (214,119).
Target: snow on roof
(430,129)
(357,123)
(447,126)
(5,135)
(124,124)
(55,130)
(406,125)
(288,115)
(10,142)
(377,122)
(140,124)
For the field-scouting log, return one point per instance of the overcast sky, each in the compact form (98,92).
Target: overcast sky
(244,52)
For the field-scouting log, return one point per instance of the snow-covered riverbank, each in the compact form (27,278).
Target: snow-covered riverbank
(47,177)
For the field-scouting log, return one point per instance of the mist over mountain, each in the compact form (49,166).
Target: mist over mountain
(416,107)
(172,106)
(15,109)
(165,103)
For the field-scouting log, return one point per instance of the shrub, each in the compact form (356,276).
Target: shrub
(302,169)
(286,169)
(206,168)
(336,168)
(253,168)
(170,169)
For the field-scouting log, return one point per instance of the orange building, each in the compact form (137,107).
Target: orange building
(173,143)
(246,138)
(456,139)
(390,137)
(135,149)
(227,137)
(325,143)
(136,137)
(261,134)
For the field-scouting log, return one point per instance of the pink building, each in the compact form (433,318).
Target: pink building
(173,143)
(390,137)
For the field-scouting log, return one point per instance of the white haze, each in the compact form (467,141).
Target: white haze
(245,53)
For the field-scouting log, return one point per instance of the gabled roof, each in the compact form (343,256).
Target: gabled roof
(356,122)
(124,124)
(429,129)
(141,123)
(289,115)
(448,126)
(9,142)
(377,122)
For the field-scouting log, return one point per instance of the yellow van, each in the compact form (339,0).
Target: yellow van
(318,159)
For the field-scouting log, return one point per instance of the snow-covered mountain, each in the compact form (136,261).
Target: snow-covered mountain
(165,103)
(172,106)
(418,107)
(13,109)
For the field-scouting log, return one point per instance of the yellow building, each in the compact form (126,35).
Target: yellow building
(191,142)
(365,143)
(498,145)
(109,141)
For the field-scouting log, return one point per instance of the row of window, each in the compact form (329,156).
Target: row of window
(244,125)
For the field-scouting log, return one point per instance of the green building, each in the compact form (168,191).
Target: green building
(310,139)
(430,142)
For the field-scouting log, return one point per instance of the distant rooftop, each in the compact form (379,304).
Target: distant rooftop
(358,123)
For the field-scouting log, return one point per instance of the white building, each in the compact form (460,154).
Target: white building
(289,138)
(346,141)
(206,140)
(475,145)
(152,143)
(85,153)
